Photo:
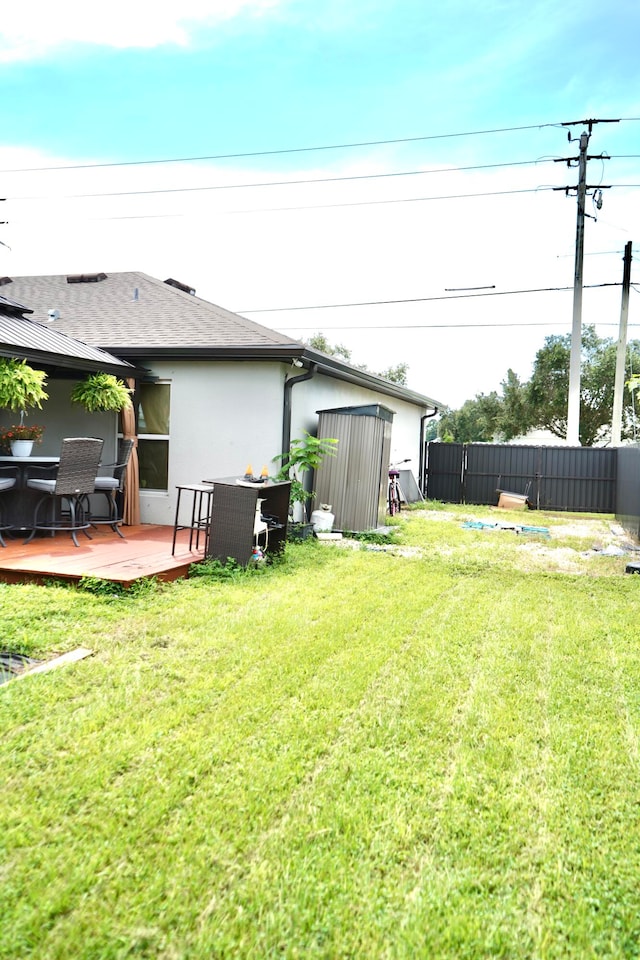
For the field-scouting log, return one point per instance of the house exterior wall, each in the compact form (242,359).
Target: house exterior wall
(323,393)
(227,414)
(224,415)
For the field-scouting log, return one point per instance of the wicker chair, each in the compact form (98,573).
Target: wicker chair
(6,483)
(112,487)
(74,479)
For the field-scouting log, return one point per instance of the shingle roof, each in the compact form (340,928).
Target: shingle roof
(136,316)
(137,312)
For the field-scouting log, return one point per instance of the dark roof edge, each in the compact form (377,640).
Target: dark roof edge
(327,365)
(279,351)
(332,367)
(79,364)
(12,308)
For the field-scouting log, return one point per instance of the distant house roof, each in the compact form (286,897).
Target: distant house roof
(138,317)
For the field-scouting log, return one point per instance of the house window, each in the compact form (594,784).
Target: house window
(153,435)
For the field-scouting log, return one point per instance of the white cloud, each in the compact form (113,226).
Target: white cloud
(34,28)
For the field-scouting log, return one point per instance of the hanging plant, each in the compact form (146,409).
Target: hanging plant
(21,387)
(100,392)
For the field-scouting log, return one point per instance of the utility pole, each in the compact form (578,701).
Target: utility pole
(621,350)
(573,407)
(4,223)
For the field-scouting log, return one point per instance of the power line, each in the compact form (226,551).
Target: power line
(435,326)
(452,326)
(287,150)
(373,203)
(286,183)
(292,150)
(330,206)
(461,296)
(317,206)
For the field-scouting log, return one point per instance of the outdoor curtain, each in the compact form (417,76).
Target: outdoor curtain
(131,506)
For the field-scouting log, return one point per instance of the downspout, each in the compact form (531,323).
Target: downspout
(427,416)
(289,384)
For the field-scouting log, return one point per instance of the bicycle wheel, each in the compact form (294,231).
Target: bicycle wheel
(394,498)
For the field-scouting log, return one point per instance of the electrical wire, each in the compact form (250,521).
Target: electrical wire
(292,150)
(460,296)
(317,206)
(286,183)
(287,150)
(451,196)
(454,326)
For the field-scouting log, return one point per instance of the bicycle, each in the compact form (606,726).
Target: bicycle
(394,496)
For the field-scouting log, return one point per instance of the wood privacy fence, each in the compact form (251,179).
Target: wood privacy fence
(581,479)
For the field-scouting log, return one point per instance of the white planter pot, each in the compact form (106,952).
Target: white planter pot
(21,448)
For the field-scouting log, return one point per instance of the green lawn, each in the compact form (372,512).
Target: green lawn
(352,754)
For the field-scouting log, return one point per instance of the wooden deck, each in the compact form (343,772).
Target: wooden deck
(146,552)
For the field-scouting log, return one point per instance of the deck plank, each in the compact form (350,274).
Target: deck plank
(145,552)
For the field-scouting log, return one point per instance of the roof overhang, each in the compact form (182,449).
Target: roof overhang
(333,367)
(24,339)
(323,363)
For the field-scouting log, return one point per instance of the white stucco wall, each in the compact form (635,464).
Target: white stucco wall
(225,415)
(323,393)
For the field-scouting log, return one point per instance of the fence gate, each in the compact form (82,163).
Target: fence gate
(444,472)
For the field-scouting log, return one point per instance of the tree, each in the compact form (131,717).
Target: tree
(515,417)
(476,421)
(548,389)
(431,431)
(319,342)
(397,374)
(542,401)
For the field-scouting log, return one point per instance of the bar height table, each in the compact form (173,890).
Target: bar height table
(20,502)
(233,516)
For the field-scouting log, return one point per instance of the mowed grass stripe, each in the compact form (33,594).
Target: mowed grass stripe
(408,779)
(352,850)
(591,874)
(139,742)
(496,813)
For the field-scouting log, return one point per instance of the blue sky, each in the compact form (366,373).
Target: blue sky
(155,81)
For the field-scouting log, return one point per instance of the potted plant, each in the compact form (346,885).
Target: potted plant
(102,392)
(304,456)
(19,440)
(21,387)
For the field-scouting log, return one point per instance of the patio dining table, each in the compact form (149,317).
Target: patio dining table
(18,504)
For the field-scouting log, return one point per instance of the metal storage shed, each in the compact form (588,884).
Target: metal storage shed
(354,482)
